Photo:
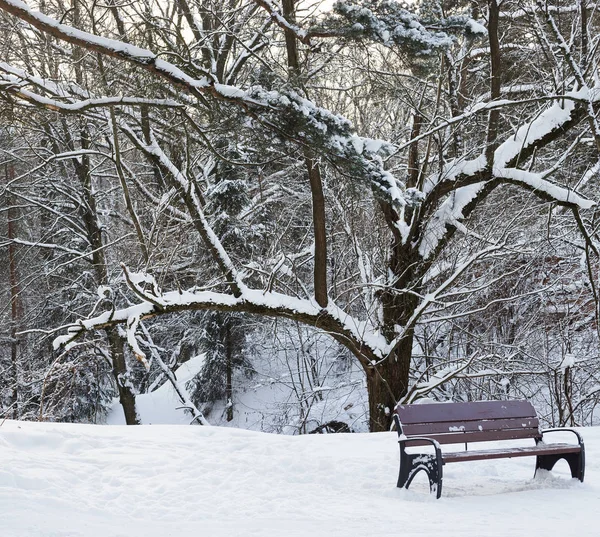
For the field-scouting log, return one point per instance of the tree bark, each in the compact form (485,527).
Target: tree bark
(90,218)
(495,80)
(387,383)
(320,235)
(584,32)
(15,298)
(228,370)
(314,176)
(119,368)
(290,37)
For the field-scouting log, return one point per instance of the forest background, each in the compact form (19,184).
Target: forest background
(327,209)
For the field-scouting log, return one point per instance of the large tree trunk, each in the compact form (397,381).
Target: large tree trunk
(386,384)
(388,381)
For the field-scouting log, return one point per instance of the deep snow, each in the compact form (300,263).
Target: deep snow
(166,480)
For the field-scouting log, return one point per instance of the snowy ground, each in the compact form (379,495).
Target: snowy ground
(166,480)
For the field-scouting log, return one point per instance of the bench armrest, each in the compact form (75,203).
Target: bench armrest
(402,440)
(564,430)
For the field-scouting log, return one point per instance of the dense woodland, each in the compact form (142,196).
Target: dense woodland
(350,204)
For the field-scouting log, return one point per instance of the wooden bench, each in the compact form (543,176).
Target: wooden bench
(482,421)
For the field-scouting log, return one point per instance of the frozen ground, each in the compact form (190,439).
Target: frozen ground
(167,480)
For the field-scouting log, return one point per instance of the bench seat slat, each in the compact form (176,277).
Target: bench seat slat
(445,427)
(471,411)
(540,449)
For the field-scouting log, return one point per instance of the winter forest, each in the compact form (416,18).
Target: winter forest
(295,214)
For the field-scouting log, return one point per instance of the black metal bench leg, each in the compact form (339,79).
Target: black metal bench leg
(411,464)
(576,462)
(405,469)
(435,478)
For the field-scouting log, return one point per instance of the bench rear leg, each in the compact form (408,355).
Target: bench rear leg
(576,462)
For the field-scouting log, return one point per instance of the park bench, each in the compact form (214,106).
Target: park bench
(481,421)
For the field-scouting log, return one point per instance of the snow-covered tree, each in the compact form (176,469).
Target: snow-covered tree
(363,213)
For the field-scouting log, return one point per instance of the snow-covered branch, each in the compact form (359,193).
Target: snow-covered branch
(431,298)
(422,388)
(312,125)
(359,336)
(194,205)
(465,182)
(82,106)
(389,23)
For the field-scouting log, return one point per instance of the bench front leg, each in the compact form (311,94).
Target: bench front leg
(576,461)
(412,463)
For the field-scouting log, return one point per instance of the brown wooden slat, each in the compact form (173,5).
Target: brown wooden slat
(472,411)
(486,436)
(427,429)
(540,449)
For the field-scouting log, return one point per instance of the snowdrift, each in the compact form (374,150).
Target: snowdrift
(65,480)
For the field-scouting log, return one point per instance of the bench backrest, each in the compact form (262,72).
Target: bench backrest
(480,421)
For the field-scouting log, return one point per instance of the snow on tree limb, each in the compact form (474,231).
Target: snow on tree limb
(567,53)
(449,214)
(422,388)
(220,255)
(73,35)
(542,187)
(482,107)
(529,134)
(287,113)
(80,106)
(359,336)
(432,297)
(277,16)
(50,86)
(389,22)
(380,21)
(467,180)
